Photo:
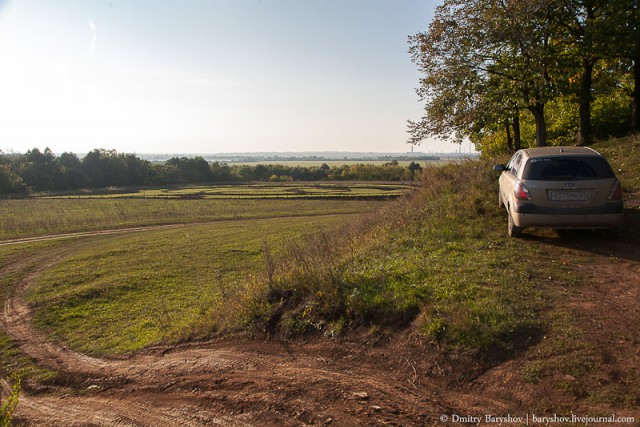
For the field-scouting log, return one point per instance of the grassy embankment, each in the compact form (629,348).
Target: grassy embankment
(439,257)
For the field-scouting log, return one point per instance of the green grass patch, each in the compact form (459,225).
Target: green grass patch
(624,156)
(119,294)
(439,261)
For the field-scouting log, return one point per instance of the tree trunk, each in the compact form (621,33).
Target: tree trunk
(585,98)
(541,127)
(516,131)
(635,103)
(507,128)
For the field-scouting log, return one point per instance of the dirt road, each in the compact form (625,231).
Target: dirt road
(218,382)
(321,382)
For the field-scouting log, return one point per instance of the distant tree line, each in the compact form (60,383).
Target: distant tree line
(39,171)
(513,73)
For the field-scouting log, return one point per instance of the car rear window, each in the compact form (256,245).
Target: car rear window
(567,168)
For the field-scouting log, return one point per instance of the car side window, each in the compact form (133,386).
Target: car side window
(514,164)
(510,164)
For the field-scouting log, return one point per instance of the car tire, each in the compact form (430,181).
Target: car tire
(512,229)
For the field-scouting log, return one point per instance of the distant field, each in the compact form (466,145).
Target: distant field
(338,163)
(41,216)
(276,190)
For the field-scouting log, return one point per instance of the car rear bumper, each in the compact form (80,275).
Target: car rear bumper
(609,215)
(590,221)
(532,209)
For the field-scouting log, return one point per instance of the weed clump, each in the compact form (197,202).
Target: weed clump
(8,407)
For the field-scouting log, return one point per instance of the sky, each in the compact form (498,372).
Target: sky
(210,76)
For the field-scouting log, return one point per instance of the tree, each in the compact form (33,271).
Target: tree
(482,61)
(105,168)
(623,41)
(192,170)
(39,170)
(413,168)
(10,182)
(583,26)
(221,172)
(70,168)
(261,173)
(138,171)
(450,79)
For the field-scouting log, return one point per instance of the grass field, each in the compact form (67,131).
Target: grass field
(119,294)
(338,163)
(439,262)
(257,190)
(39,216)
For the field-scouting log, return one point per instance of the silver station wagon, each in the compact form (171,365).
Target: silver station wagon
(559,187)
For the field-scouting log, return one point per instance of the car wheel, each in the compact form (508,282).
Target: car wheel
(512,229)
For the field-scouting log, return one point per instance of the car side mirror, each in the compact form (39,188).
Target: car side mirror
(499,168)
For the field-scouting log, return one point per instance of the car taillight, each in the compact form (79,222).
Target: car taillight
(521,191)
(616,191)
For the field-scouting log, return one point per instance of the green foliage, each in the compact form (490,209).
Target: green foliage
(43,171)
(8,407)
(611,116)
(10,182)
(563,121)
(491,141)
(558,63)
(502,67)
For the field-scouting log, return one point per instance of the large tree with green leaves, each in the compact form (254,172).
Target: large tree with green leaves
(584,27)
(623,41)
(485,60)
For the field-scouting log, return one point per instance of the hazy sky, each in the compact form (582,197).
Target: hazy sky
(209,76)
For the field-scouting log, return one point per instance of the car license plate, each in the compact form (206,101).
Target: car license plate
(569,196)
